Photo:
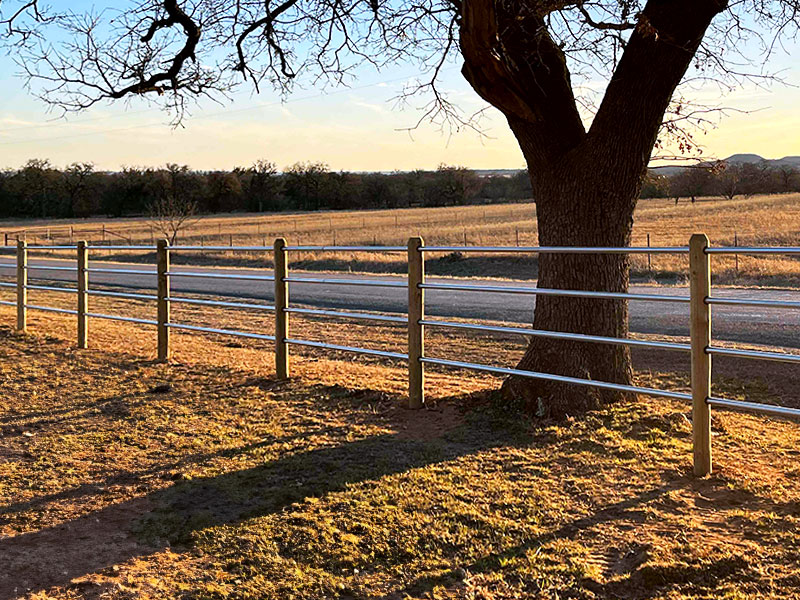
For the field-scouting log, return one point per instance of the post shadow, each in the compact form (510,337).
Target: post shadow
(136,528)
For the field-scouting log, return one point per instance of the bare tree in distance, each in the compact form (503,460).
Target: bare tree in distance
(729,181)
(169,216)
(533,60)
(175,210)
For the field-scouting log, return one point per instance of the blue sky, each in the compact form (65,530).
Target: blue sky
(359,128)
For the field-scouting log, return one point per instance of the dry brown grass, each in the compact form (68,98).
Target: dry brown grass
(233,485)
(754,221)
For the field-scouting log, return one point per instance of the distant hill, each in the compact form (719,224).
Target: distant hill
(739,159)
(496,172)
(744,159)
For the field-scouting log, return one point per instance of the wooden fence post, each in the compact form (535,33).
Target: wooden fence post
(83,295)
(700,331)
(22,286)
(163,299)
(416,331)
(281,272)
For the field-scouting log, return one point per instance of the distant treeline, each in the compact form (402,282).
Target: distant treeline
(40,190)
(724,180)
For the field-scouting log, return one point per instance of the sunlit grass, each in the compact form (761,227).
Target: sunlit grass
(229,484)
(759,220)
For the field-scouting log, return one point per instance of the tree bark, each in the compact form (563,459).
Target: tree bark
(577,205)
(585,183)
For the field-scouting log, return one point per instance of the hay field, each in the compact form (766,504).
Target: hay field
(759,220)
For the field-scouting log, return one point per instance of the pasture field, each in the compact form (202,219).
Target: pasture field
(760,220)
(207,478)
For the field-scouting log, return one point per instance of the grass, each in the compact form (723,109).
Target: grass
(206,478)
(760,220)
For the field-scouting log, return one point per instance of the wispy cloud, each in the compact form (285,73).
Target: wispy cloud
(376,108)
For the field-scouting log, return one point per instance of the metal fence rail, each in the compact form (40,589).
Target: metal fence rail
(497,289)
(121,318)
(345,248)
(700,301)
(358,282)
(50,288)
(558,249)
(118,271)
(50,268)
(219,276)
(116,248)
(220,303)
(603,385)
(756,407)
(576,337)
(340,314)
(752,302)
(232,332)
(776,356)
(53,309)
(354,349)
(124,295)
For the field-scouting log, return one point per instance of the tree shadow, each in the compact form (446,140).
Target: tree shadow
(98,540)
(637,580)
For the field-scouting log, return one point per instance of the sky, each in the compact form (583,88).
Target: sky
(359,128)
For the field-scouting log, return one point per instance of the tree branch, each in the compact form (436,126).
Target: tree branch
(654,62)
(536,90)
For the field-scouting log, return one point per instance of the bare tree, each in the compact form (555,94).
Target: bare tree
(529,59)
(175,207)
(729,181)
(170,215)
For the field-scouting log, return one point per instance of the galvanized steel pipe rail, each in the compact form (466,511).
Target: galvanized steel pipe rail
(552,292)
(558,335)
(605,385)
(557,249)
(700,301)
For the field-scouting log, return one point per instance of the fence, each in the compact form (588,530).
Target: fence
(700,300)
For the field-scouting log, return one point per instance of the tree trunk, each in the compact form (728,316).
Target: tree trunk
(580,204)
(585,183)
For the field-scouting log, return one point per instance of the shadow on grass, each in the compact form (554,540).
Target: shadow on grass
(54,556)
(633,579)
(137,528)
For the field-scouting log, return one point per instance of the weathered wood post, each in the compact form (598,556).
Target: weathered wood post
(83,294)
(162,254)
(281,272)
(22,286)
(700,331)
(416,331)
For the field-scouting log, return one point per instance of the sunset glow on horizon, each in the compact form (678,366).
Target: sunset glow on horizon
(357,128)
